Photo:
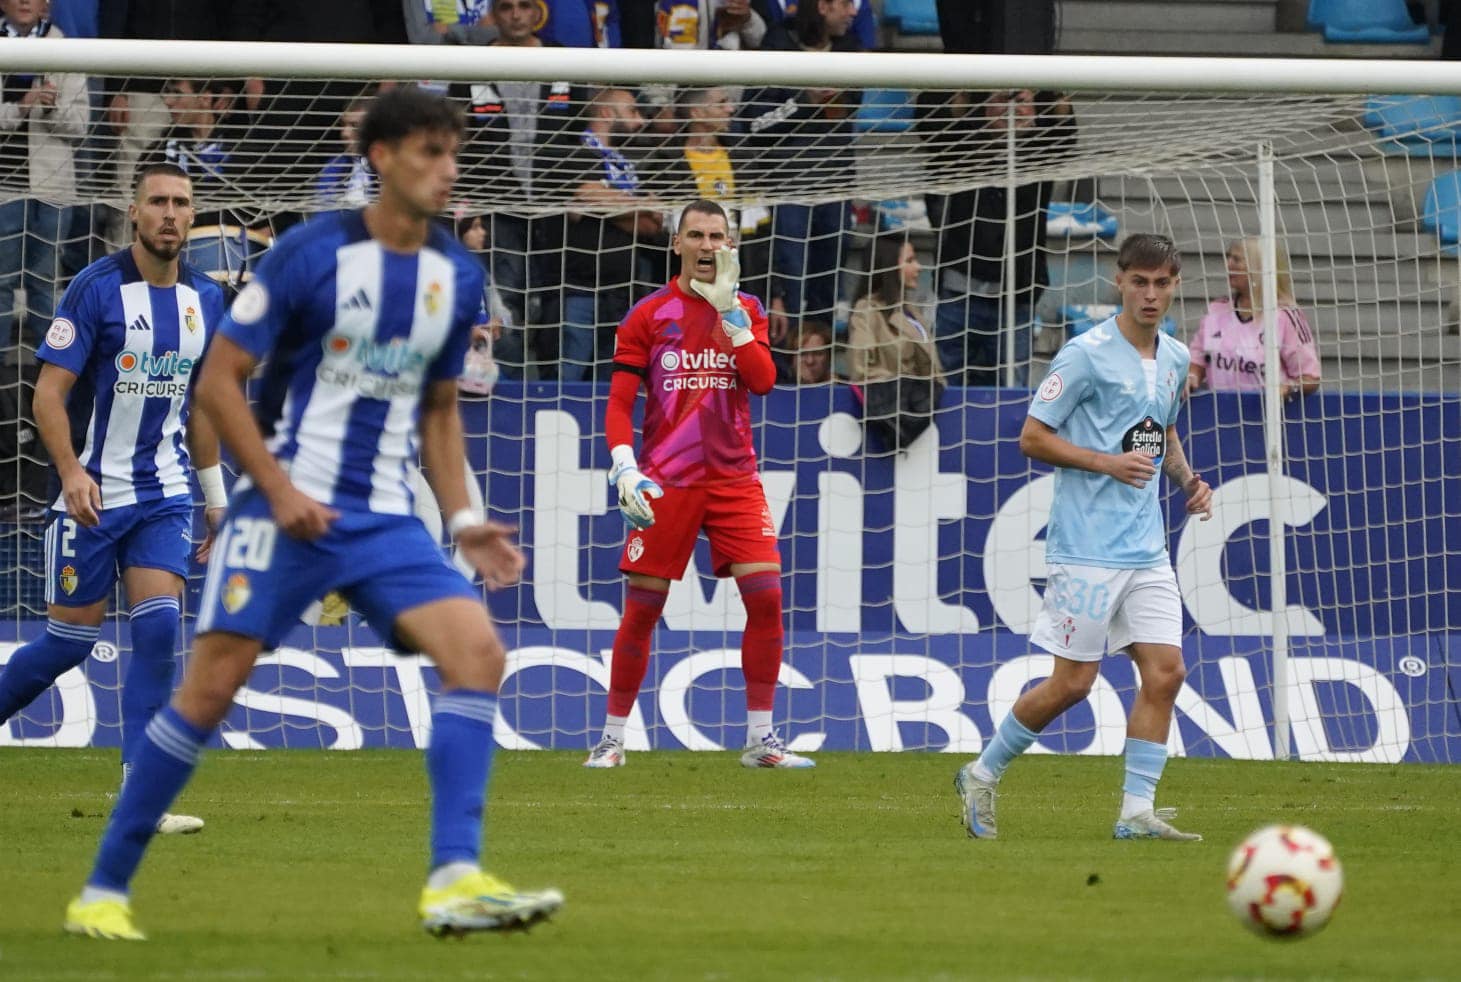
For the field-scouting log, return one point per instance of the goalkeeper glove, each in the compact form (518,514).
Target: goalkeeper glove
(634,488)
(722,296)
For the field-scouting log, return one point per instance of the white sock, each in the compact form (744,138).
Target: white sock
(448,873)
(91,895)
(1132,805)
(985,774)
(614,727)
(758,726)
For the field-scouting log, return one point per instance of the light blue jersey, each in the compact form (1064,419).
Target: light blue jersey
(133,348)
(353,334)
(1100,394)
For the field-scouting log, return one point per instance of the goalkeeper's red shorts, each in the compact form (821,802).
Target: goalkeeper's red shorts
(734,516)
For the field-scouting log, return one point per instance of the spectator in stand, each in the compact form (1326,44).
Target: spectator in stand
(864,25)
(42,122)
(196,141)
(804,137)
(890,351)
(604,251)
(727,25)
(889,336)
(704,163)
(135,111)
(448,21)
(515,135)
(1227,351)
(813,354)
(480,372)
(970,326)
(347,180)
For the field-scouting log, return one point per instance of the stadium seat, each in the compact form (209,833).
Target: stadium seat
(911,16)
(1080,218)
(1081,317)
(1416,125)
(884,111)
(228,253)
(1441,212)
(1366,22)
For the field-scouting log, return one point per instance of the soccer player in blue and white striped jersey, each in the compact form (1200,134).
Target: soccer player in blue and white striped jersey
(118,368)
(363,319)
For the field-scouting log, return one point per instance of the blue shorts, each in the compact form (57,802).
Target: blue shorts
(82,563)
(260,580)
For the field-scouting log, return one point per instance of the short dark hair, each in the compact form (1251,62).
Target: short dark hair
(161,167)
(1147,250)
(403,110)
(704,206)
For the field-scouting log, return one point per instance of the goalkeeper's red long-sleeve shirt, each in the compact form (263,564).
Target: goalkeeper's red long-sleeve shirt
(697,417)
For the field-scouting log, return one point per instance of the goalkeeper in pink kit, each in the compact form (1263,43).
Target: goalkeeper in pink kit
(698,347)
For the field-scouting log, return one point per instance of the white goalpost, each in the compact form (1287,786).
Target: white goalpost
(1322,604)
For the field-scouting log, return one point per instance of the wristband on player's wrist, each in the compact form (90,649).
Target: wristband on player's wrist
(210,481)
(462,518)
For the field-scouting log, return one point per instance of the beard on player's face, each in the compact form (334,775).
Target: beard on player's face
(162,246)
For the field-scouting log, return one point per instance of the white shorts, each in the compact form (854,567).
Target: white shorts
(1090,610)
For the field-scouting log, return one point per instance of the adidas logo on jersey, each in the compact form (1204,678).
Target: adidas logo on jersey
(359,300)
(140,324)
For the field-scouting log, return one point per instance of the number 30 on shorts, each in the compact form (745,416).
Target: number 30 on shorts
(1077,596)
(251,544)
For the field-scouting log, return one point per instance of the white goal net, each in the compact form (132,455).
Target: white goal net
(1320,602)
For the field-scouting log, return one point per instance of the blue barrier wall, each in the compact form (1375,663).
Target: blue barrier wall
(911,581)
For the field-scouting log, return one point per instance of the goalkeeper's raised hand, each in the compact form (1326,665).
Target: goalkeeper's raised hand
(722,296)
(635,490)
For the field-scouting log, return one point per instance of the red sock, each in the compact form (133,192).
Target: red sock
(761,643)
(631,647)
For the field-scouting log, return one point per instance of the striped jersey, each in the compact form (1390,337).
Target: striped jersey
(351,335)
(134,349)
(697,415)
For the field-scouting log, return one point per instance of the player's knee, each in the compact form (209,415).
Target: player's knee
(1165,680)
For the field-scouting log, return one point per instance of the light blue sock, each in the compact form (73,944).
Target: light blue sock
(35,666)
(1012,739)
(1144,763)
(166,756)
(148,684)
(459,762)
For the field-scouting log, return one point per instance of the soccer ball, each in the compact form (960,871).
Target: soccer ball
(1284,881)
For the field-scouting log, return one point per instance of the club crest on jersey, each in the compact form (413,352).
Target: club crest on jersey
(69,580)
(636,549)
(190,320)
(236,593)
(432,299)
(61,334)
(1146,437)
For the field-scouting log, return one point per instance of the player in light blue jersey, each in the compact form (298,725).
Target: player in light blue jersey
(1105,417)
(363,319)
(117,371)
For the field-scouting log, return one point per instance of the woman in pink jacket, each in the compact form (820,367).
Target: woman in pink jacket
(1227,351)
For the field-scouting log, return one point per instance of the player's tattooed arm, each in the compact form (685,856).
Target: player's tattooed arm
(1179,472)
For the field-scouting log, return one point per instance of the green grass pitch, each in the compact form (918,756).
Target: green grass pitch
(686,866)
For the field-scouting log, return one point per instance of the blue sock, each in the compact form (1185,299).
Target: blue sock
(148,684)
(35,666)
(459,761)
(1012,739)
(1144,763)
(166,756)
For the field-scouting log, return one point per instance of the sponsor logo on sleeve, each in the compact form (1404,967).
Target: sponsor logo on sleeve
(61,334)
